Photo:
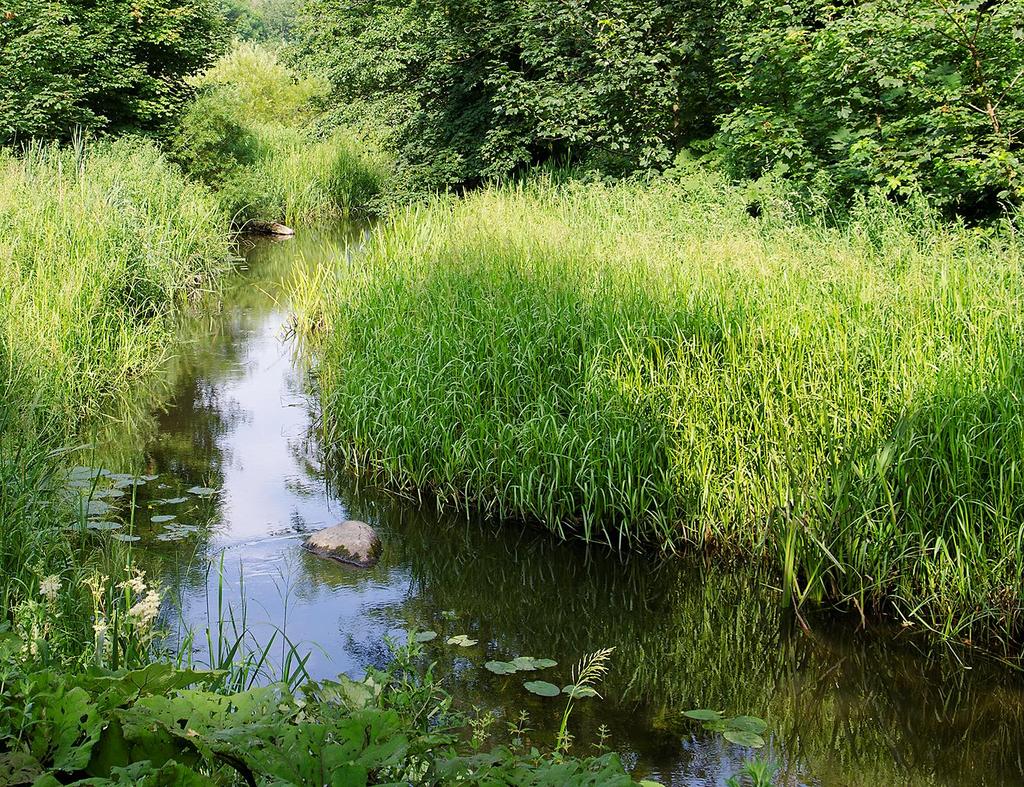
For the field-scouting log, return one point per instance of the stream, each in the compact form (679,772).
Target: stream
(226,437)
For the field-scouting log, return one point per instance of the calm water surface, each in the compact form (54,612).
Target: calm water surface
(231,415)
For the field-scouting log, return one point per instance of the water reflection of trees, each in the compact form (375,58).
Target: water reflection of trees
(870,708)
(177,421)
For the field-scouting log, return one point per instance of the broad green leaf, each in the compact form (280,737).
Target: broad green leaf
(575,691)
(744,738)
(98,525)
(201,491)
(161,518)
(542,688)
(747,724)
(425,636)
(500,667)
(461,640)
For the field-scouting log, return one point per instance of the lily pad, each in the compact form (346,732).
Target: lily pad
(462,641)
(124,537)
(576,692)
(500,667)
(82,473)
(746,724)
(149,477)
(92,508)
(201,491)
(529,663)
(170,501)
(162,518)
(103,525)
(744,738)
(126,482)
(425,636)
(108,492)
(542,688)
(176,532)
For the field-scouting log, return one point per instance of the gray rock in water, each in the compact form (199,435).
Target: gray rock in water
(270,228)
(350,542)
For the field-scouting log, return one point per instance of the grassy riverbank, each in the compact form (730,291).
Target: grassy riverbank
(106,244)
(103,244)
(649,365)
(250,136)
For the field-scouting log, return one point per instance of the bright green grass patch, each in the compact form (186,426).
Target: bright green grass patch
(101,245)
(250,136)
(649,365)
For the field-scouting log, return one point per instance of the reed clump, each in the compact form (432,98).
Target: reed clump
(103,243)
(649,365)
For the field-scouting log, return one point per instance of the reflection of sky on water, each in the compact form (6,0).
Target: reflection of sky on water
(852,710)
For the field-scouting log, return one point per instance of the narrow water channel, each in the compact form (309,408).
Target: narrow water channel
(234,479)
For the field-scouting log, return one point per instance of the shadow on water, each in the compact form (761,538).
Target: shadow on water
(231,419)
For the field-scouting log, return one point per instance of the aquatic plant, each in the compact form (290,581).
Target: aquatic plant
(104,244)
(649,366)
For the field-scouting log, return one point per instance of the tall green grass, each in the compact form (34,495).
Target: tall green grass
(251,136)
(649,366)
(102,244)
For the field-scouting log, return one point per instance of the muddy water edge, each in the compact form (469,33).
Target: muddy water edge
(234,479)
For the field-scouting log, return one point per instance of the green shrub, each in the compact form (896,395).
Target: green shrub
(114,65)
(840,98)
(648,365)
(248,136)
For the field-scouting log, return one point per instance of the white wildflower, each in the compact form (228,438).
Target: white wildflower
(137,584)
(49,587)
(146,610)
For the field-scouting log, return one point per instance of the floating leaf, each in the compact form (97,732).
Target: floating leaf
(744,738)
(171,501)
(162,518)
(98,525)
(109,492)
(124,537)
(149,477)
(528,663)
(542,688)
(202,491)
(126,482)
(425,636)
(500,667)
(704,714)
(575,691)
(461,640)
(81,473)
(92,508)
(747,724)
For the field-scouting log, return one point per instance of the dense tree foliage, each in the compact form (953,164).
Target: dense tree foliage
(117,65)
(902,95)
(260,20)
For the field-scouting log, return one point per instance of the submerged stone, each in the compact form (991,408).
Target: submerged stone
(351,542)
